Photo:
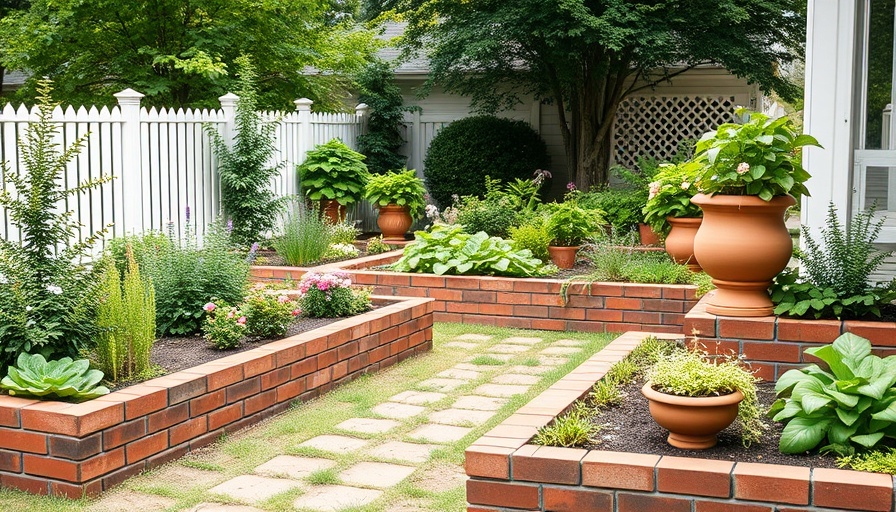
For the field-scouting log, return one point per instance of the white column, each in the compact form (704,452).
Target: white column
(303,107)
(130,183)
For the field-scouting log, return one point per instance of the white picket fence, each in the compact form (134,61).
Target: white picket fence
(162,160)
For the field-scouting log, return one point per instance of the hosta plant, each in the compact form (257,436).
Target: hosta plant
(34,376)
(850,405)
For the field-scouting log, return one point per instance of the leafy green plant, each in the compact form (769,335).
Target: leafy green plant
(62,379)
(568,224)
(376,245)
(344,233)
(574,428)
(401,188)
(670,195)
(759,158)
(306,236)
(330,295)
(224,326)
(525,193)
(382,140)
(268,315)
(877,461)
(533,236)
(850,405)
(126,317)
(621,206)
(48,298)
(449,250)
(605,393)
(340,252)
(837,272)
(246,196)
(333,171)
(144,248)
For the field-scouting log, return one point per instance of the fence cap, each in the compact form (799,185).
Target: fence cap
(129,97)
(229,100)
(303,104)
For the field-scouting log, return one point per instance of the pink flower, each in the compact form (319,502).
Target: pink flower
(296,312)
(209,307)
(743,168)
(231,313)
(571,186)
(283,299)
(654,189)
(241,320)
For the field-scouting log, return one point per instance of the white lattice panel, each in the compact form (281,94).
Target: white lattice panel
(655,126)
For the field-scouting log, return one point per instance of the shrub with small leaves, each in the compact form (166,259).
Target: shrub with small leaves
(344,233)
(268,315)
(224,325)
(330,295)
(574,428)
(341,252)
(533,236)
(376,245)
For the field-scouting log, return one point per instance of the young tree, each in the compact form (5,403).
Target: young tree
(181,53)
(585,56)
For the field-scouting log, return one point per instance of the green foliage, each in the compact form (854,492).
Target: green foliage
(849,406)
(611,261)
(47,297)
(837,272)
(376,245)
(694,373)
(63,379)
(574,428)
(487,360)
(340,252)
(142,247)
(449,250)
(651,350)
(182,53)
(568,224)
(330,295)
(305,238)
(670,195)
(605,393)
(533,236)
(268,315)
(495,214)
(382,140)
(621,206)
(401,188)
(343,233)
(126,318)
(224,325)
(883,461)
(333,171)
(759,158)
(246,195)
(470,148)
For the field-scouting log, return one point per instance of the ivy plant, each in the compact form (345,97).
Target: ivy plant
(34,376)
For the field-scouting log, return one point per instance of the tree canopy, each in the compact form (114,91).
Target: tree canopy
(585,56)
(181,53)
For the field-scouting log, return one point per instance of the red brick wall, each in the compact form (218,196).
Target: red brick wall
(69,449)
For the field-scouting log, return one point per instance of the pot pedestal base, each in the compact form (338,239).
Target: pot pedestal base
(740,299)
(692,442)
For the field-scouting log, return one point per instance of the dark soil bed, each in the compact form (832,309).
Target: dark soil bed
(629,428)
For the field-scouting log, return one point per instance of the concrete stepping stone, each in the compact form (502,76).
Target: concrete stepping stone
(522,340)
(458,373)
(375,474)
(440,477)
(217,507)
(405,452)
(530,370)
(336,497)
(471,367)
(418,397)
(560,351)
(461,417)
(569,343)
(368,425)
(293,467)
(439,384)
(130,500)
(436,433)
(192,477)
(253,489)
(479,403)
(501,390)
(461,344)
(397,411)
(335,444)
(474,337)
(516,378)
(507,348)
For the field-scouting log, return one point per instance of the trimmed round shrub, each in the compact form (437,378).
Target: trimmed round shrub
(463,153)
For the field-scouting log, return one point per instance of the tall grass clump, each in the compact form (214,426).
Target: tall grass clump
(305,238)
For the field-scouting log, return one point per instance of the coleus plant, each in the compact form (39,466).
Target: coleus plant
(34,376)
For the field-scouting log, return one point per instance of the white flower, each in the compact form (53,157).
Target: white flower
(3,279)
(685,185)
(55,290)
(654,189)
(28,308)
(743,168)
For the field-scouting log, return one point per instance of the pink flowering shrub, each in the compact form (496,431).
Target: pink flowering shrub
(269,314)
(224,325)
(328,295)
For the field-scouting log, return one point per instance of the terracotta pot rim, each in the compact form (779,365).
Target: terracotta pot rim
(740,200)
(691,401)
(684,220)
(393,206)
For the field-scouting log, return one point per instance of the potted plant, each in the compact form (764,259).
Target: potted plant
(669,210)
(568,225)
(749,175)
(695,396)
(334,175)
(399,197)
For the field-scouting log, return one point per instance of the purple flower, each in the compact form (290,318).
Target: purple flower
(571,186)
(229,225)
(188,213)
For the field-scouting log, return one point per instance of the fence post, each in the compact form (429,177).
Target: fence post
(303,107)
(130,211)
(228,106)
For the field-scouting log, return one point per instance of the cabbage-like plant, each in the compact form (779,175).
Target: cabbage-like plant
(34,376)
(852,404)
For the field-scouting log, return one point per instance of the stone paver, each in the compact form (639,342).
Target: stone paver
(401,451)
(254,488)
(335,444)
(397,411)
(530,370)
(560,351)
(474,337)
(461,417)
(479,403)
(501,390)
(293,467)
(457,373)
(336,497)
(472,367)
(215,507)
(436,433)
(368,425)
(439,384)
(516,378)
(521,340)
(507,348)
(375,474)
(569,343)
(460,344)
(120,500)
(418,397)
(494,355)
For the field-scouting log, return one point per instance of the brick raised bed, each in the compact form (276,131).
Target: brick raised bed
(521,302)
(74,449)
(506,473)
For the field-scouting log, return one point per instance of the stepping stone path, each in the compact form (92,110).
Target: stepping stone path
(373,448)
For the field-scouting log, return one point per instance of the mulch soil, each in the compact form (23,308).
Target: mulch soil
(629,428)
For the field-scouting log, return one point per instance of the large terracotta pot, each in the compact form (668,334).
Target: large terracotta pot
(680,241)
(693,422)
(648,235)
(334,211)
(394,221)
(742,244)
(563,256)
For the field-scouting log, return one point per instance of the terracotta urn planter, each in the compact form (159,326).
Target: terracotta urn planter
(680,242)
(693,422)
(742,244)
(333,210)
(563,256)
(648,235)
(394,221)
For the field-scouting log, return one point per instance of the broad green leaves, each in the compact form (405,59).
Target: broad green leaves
(333,171)
(61,379)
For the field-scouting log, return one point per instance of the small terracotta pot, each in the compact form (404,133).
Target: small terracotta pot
(693,422)
(648,235)
(333,210)
(562,256)
(680,242)
(394,221)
